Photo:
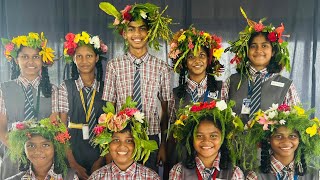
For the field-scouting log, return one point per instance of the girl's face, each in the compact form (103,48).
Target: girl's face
(197,64)
(30,62)
(207,141)
(121,149)
(39,151)
(283,143)
(260,52)
(85,59)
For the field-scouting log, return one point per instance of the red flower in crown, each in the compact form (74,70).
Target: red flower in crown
(258,27)
(272,36)
(20,126)
(236,60)
(62,137)
(279,30)
(284,107)
(125,13)
(98,129)
(70,37)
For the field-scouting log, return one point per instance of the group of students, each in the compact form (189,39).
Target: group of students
(88,128)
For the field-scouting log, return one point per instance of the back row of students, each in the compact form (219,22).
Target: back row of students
(260,52)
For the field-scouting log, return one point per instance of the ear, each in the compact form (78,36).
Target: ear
(273,53)
(124,34)
(97,58)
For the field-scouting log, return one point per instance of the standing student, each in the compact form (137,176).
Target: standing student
(195,55)
(138,73)
(124,136)
(29,95)
(205,130)
(289,144)
(80,103)
(40,147)
(261,54)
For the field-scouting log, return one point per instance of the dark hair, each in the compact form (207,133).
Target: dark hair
(265,162)
(75,72)
(273,66)
(211,81)
(189,161)
(45,85)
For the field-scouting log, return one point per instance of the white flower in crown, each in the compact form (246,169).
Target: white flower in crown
(282,122)
(95,41)
(272,114)
(139,116)
(274,107)
(233,114)
(221,105)
(143,14)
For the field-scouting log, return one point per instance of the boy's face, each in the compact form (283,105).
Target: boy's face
(135,35)
(121,149)
(284,143)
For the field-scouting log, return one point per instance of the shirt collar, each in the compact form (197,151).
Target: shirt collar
(25,82)
(80,85)
(277,166)
(192,85)
(253,72)
(50,173)
(131,170)
(215,163)
(143,58)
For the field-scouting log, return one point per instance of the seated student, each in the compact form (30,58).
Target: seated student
(40,148)
(203,129)
(124,136)
(291,137)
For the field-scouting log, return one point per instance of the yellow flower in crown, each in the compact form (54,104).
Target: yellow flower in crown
(300,111)
(84,36)
(20,40)
(34,35)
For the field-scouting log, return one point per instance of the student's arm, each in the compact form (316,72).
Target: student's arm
(81,171)
(98,164)
(3,129)
(164,126)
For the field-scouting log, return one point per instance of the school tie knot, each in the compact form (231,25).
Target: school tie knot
(285,173)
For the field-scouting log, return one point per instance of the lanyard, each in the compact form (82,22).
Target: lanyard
(205,99)
(295,177)
(213,175)
(88,113)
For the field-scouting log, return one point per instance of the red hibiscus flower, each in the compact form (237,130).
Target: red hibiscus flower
(98,130)
(125,13)
(71,51)
(258,27)
(279,30)
(272,37)
(70,37)
(69,44)
(284,107)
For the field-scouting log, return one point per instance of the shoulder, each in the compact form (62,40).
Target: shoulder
(17,176)
(102,172)
(251,176)
(147,171)
(177,169)
(237,172)
(160,63)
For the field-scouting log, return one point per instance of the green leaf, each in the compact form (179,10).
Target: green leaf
(5,41)
(150,144)
(109,108)
(110,9)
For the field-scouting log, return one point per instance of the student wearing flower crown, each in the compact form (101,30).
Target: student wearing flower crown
(195,55)
(205,129)
(80,103)
(289,141)
(40,149)
(29,95)
(124,136)
(261,54)
(138,73)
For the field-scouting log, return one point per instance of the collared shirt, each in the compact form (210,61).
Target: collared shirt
(176,172)
(134,172)
(63,93)
(24,82)
(51,175)
(276,168)
(155,85)
(291,97)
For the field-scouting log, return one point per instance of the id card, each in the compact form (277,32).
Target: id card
(245,106)
(213,95)
(85,132)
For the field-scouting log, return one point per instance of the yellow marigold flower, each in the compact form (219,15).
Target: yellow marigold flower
(312,130)
(217,53)
(77,38)
(258,115)
(299,110)
(34,35)
(85,37)
(179,122)
(47,55)
(182,38)
(65,51)
(206,35)
(20,40)
(316,120)
(109,116)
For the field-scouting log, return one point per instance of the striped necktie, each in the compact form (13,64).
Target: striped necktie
(256,96)
(137,85)
(195,96)
(92,118)
(285,174)
(28,104)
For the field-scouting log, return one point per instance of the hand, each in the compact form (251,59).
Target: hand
(161,159)
(81,171)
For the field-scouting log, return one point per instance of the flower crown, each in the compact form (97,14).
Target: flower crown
(75,40)
(192,39)
(241,46)
(53,130)
(33,40)
(158,25)
(128,115)
(189,118)
(294,118)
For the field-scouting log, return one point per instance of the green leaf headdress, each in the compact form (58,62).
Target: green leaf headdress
(32,40)
(192,39)
(53,130)
(157,23)
(190,116)
(266,122)
(128,115)
(241,46)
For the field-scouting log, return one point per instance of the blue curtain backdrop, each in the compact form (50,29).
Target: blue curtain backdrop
(222,17)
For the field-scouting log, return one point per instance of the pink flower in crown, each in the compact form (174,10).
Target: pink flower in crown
(104,48)
(9,47)
(125,13)
(117,123)
(98,130)
(130,111)
(116,22)
(265,122)
(174,54)
(190,45)
(62,137)
(272,36)
(173,45)
(284,107)
(258,27)
(70,37)
(20,126)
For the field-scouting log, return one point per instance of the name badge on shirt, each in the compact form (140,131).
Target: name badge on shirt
(85,132)
(276,83)
(245,106)
(213,95)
